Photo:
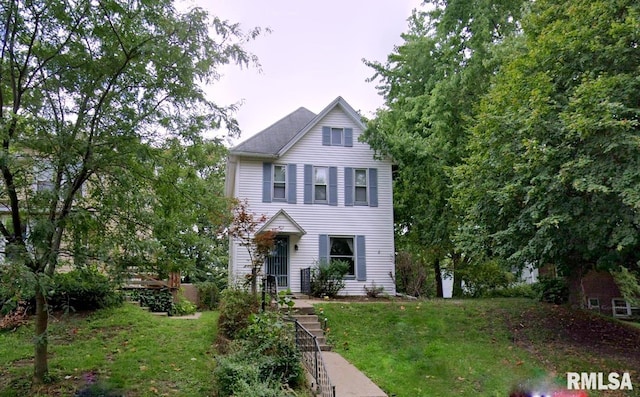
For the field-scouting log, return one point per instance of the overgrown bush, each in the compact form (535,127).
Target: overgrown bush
(413,276)
(157,300)
(261,361)
(17,284)
(327,279)
(84,288)
(208,295)
(482,279)
(183,307)
(236,306)
(552,290)
(514,291)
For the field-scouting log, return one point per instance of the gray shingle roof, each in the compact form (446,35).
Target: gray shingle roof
(270,140)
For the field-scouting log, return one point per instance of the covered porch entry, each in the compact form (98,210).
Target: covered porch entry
(288,232)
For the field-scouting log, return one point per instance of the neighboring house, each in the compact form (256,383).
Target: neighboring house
(598,291)
(323,192)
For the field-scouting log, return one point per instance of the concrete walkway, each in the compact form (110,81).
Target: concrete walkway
(347,379)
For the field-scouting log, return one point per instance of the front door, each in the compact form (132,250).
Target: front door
(278,262)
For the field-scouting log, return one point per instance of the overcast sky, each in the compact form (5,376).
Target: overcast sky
(313,54)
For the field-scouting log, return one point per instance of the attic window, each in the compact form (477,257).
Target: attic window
(337,136)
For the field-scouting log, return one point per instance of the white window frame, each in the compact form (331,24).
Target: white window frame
(274,182)
(336,129)
(356,186)
(618,304)
(593,303)
(353,256)
(326,185)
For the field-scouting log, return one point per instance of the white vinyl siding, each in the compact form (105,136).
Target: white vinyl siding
(334,220)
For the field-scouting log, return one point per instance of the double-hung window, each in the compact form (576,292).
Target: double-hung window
(337,136)
(349,249)
(342,249)
(320,181)
(361,186)
(279,182)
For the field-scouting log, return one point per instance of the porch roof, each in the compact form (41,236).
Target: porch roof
(283,223)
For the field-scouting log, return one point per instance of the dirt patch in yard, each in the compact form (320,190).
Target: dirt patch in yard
(548,330)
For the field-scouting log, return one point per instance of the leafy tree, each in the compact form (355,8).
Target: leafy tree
(245,227)
(431,84)
(85,86)
(553,175)
(190,208)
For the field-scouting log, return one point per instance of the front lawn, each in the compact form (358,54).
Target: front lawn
(125,347)
(478,347)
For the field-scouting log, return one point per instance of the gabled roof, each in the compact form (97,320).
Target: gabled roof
(283,224)
(270,140)
(275,140)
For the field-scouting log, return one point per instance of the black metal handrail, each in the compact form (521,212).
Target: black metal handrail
(312,360)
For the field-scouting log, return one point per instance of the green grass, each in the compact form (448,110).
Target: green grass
(447,347)
(125,347)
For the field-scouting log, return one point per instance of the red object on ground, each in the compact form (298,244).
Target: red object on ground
(570,393)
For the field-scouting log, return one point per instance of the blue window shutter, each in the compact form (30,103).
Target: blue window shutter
(326,136)
(291,181)
(348,137)
(361,259)
(373,187)
(308,184)
(266,182)
(323,248)
(333,185)
(348,186)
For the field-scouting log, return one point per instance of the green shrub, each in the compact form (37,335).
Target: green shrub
(17,284)
(208,295)
(270,340)
(183,307)
(230,371)
(483,278)
(514,291)
(236,306)
(261,360)
(83,289)
(327,279)
(157,300)
(552,290)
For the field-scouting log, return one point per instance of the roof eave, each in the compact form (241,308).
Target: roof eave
(255,155)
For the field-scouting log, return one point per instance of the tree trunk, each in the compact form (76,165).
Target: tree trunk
(41,365)
(254,282)
(438,274)
(457,276)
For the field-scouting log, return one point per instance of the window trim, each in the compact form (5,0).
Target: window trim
(593,303)
(336,129)
(626,307)
(356,186)
(314,184)
(354,256)
(273,182)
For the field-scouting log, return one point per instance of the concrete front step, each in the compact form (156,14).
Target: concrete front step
(312,324)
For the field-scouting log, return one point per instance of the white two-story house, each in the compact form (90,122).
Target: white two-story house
(324,194)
